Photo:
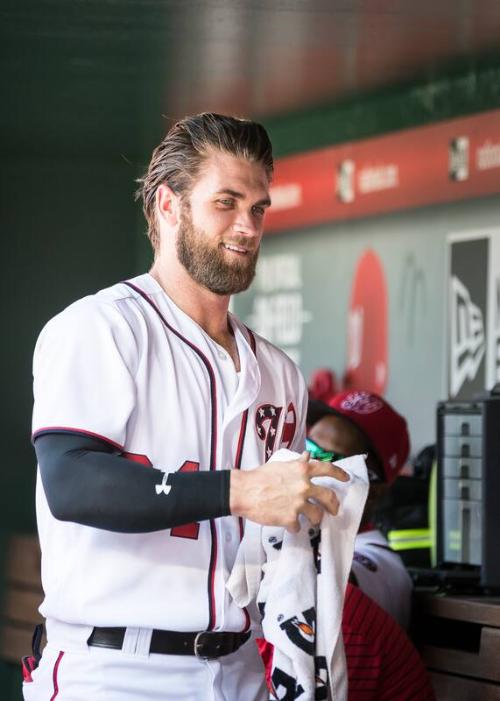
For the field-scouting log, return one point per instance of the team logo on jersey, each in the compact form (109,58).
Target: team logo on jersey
(301,630)
(163,487)
(266,424)
(289,427)
(267,419)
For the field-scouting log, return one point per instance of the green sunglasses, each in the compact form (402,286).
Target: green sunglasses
(318,453)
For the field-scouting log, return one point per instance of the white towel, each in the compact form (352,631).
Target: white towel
(298,581)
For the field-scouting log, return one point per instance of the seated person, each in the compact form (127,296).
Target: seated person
(382,663)
(360,422)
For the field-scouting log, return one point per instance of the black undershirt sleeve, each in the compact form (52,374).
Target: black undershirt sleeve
(87,482)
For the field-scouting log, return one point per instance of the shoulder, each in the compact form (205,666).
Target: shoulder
(104,314)
(373,552)
(376,546)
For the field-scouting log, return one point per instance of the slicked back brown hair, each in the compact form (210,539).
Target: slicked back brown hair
(177,160)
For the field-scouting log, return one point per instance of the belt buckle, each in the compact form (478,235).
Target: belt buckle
(198,644)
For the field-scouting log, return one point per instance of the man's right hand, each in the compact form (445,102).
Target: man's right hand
(276,493)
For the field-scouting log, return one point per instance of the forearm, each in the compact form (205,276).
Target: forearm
(86,482)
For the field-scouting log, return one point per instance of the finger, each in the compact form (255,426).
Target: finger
(313,512)
(326,498)
(305,457)
(293,527)
(320,468)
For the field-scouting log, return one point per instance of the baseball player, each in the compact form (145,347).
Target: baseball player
(362,422)
(155,413)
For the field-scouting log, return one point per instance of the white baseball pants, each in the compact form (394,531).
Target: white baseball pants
(69,671)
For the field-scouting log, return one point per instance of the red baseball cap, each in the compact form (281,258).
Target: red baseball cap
(385,429)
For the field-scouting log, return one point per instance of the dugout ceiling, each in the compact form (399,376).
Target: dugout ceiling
(97,76)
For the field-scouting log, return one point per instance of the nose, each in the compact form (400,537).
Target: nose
(246,224)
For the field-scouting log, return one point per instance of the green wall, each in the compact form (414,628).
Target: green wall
(69,227)
(459,92)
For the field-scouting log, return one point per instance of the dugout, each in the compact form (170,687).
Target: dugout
(87,90)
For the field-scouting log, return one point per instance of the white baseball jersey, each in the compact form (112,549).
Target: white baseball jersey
(130,367)
(381,574)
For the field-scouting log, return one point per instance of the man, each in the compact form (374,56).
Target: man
(362,422)
(155,373)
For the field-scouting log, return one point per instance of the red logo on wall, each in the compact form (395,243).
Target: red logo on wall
(367,327)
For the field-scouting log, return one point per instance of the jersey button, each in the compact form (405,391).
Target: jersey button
(222,356)
(229,537)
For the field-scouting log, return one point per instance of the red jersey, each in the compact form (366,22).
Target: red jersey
(382,663)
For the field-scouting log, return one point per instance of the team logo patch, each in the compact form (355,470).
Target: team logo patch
(267,418)
(362,403)
(163,487)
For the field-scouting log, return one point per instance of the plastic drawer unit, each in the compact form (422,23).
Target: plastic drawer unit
(468,489)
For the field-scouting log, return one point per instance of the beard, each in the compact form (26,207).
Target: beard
(207,265)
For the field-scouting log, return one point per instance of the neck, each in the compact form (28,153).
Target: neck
(206,308)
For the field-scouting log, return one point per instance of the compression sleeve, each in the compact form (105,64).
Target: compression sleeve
(87,482)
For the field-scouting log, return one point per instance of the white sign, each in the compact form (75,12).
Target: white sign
(278,311)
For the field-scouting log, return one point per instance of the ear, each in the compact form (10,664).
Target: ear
(167,205)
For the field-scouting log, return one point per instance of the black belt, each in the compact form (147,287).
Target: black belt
(208,645)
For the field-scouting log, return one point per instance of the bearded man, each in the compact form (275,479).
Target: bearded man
(156,411)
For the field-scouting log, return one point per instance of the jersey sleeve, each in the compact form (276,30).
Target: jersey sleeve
(83,371)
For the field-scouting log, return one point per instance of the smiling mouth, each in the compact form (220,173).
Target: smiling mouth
(235,249)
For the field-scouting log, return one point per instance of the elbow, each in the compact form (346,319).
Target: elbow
(59,510)
(58,505)
(56,492)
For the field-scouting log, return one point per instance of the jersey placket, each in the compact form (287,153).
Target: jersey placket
(233,427)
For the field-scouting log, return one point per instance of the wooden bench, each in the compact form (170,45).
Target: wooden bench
(22,595)
(459,639)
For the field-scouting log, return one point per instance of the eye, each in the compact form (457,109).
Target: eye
(226,202)
(258,210)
